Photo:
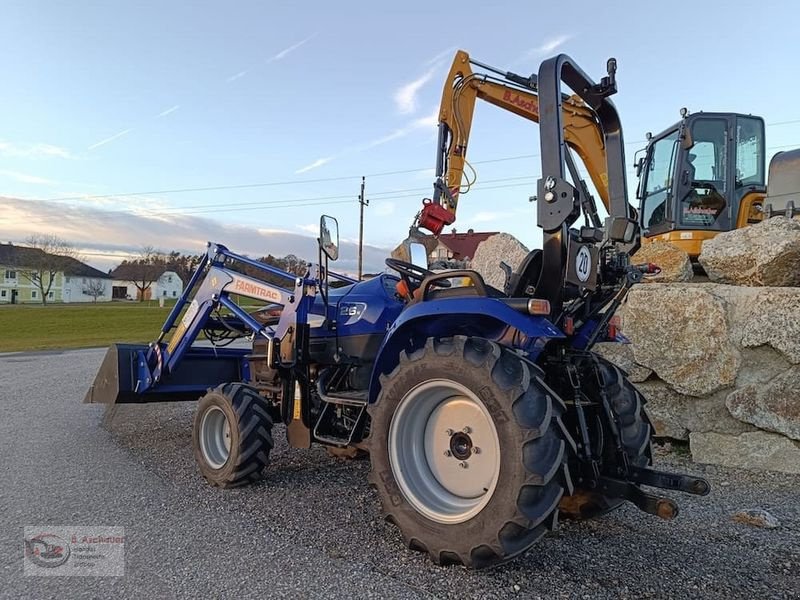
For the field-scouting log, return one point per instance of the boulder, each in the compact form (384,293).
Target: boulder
(668,411)
(757,450)
(676,415)
(756,517)
(622,356)
(771,319)
(764,254)
(680,331)
(774,406)
(500,247)
(674,262)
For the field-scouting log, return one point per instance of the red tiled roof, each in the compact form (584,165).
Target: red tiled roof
(464,245)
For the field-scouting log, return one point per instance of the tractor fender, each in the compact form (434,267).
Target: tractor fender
(487,318)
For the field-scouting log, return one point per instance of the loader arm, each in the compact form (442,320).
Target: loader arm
(134,373)
(516,94)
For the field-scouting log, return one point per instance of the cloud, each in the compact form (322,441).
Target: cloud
(116,232)
(428,121)
(107,140)
(314,165)
(406,97)
(16,150)
(238,75)
(383,208)
(286,51)
(485,217)
(310,228)
(549,46)
(170,110)
(25,178)
(448,53)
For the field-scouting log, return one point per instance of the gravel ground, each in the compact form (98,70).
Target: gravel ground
(314,527)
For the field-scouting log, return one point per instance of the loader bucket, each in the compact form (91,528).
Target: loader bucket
(200,369)
(116,379)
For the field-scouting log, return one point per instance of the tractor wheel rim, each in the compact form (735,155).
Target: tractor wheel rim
(215,437)
(444,451)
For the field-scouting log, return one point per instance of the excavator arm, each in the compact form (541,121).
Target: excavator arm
(516,94)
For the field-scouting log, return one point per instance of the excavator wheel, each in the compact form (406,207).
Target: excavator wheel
(628,404)
(232,435)
(468,451)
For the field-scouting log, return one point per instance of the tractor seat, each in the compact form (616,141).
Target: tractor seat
(527,275)
(477,288)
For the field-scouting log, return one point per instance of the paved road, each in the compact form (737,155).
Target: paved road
(314,529)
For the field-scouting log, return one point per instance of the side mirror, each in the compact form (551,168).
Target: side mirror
(329,236)
(621,229)
(639,165)
(418,254)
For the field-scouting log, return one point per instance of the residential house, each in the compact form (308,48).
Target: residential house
(456,246)
(167,285)
(74,281)
(83,283)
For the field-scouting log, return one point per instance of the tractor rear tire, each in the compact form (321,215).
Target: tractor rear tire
(636,432)
(232,435)
(468,451)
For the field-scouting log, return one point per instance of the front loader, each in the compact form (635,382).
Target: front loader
(485,412)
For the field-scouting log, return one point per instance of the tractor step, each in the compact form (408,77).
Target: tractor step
(354,398)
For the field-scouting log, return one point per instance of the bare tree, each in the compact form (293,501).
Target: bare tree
(45,255)
(144,271)
(95,288)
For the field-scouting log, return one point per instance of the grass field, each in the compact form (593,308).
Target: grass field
(58,326)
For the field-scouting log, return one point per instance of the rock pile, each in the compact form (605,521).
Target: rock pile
(720,364)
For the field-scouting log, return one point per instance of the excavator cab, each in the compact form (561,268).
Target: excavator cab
(702,176)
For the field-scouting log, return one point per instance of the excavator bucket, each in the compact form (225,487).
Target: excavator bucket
(116,380)
(415,236)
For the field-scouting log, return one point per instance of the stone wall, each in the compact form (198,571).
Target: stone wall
(720,368)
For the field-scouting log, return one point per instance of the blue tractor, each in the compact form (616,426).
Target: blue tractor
(485,413)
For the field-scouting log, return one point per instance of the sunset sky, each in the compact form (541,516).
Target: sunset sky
(113,114)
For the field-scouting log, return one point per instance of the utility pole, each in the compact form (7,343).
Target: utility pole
(362,201)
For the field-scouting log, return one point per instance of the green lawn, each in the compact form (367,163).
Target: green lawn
(56,326)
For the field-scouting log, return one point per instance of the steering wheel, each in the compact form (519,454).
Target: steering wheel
(410,271)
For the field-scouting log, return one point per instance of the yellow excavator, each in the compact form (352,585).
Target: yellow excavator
(702,176)
(706,174)
(517,94)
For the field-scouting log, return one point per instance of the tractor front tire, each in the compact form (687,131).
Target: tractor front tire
(635,430)
(232,435)
(468,451)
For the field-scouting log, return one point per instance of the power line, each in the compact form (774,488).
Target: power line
(48,220)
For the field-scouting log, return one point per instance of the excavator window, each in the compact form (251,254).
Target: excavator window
(704,177)
(749,152)
(658,172)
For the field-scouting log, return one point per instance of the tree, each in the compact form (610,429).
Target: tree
(95,288)
(142,272)
(45,255)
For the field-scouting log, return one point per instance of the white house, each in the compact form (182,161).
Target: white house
(83,283)
(73,280)
(168,285)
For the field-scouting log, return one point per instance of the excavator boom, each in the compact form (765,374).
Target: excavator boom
(516,94)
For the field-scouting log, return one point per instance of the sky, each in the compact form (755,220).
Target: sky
(112,114)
